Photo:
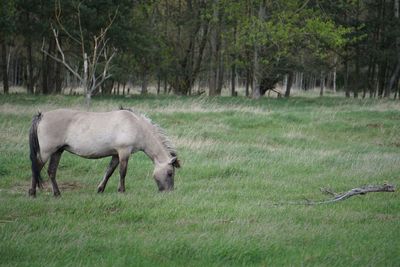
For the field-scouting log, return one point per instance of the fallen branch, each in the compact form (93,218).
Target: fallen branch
(353,192)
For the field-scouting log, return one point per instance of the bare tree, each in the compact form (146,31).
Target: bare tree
(95,54)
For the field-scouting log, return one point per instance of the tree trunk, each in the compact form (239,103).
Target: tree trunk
(398,87)
(50,67)
(190,64)
(233,67)
(382,78)
(4,65)
(87,90)
(256,86)
(346,78)
(334,77)
(221,71)
(371,78)
(144,83)
(356,84)
(88,98)
(396,72)
(256,66)
(58,78)
(215,51)
(322,84)
(47,70)
(376,81)
(220,58)
(30,66)
(44,74)
(248,81)
(302,83)
(233,80)
(289,83)
(358,77)
(158,83)
(199,59)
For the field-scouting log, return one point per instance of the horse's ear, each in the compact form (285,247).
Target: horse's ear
(175,162)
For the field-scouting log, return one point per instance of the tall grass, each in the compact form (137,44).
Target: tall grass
(240,158)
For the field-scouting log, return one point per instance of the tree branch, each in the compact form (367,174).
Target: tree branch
(80,29)
(353,192)
(57,11)
(76,74)
(104,76)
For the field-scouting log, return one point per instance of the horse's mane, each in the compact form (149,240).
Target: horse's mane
(157,130)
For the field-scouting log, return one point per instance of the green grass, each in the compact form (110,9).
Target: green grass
(239,159)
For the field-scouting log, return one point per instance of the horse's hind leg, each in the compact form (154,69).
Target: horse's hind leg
(32,190)
(52,171)
(110,170)
(123,160)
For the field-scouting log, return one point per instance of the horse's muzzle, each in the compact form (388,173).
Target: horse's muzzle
(164,188)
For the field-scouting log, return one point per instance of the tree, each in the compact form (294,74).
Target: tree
(186,40)
(7,25)
(284,36)
(180,43)
(95,54)
(396,73)
(146,50)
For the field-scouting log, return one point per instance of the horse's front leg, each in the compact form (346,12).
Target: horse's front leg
(52,171)
(110,170)
(122,172)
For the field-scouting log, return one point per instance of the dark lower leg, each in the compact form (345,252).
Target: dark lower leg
(110,170)
(122,173)
(52,171)
(32,190)
(35,177)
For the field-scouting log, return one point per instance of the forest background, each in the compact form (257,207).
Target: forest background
(188,47)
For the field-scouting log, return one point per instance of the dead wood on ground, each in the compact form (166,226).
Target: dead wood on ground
(353,192)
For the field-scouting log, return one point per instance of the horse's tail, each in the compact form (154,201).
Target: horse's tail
(35,149)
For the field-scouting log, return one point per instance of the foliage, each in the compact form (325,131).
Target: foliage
(290,35)
(184,42)
(7,18)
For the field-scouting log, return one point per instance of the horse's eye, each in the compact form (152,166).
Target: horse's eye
(169,173)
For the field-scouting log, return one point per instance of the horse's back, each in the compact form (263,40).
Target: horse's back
(103,125)
(89,134)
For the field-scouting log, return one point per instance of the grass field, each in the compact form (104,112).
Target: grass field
(239,159)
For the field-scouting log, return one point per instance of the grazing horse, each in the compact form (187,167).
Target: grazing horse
(96,135)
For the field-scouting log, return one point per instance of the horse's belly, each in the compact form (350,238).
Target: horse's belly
(91,148)
(99,146)
(90,153)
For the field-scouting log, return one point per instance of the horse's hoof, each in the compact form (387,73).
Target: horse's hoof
(32,192)
(100,190)
(121,190)
(57,194)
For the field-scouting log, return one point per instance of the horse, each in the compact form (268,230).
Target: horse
(116,134)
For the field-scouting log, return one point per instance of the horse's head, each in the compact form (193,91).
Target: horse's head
(164,174)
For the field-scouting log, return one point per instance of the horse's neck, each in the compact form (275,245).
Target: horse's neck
(155,150)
